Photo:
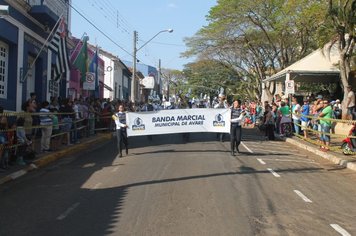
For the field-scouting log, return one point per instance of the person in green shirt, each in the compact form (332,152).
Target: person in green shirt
(326,113)
(284,117)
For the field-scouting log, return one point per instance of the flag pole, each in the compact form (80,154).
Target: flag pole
(39,53)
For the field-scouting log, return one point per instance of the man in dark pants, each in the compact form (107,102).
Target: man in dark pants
(237,115)
(121,132)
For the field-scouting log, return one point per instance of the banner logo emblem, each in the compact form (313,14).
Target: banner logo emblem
(138,125)
(219,121)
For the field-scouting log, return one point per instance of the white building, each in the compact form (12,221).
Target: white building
(117,77)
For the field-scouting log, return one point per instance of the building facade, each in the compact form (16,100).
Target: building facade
(147,71)
(25,65)
(117,78)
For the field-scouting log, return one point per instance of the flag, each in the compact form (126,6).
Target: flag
(93,68)
(58,45)
(81,61)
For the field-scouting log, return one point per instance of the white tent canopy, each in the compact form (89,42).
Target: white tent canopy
(318,66)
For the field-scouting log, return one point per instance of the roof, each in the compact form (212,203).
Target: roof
(318,66)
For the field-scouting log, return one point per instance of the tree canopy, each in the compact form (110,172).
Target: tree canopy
(258,38)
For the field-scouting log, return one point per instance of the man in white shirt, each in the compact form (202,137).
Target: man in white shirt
(351,103)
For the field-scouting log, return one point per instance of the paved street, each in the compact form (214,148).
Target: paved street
(168,187)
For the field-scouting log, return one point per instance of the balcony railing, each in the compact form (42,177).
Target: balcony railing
(56,6)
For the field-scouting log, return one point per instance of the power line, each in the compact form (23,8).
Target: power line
(92,24)
(107,13)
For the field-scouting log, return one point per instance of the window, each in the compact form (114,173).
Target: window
(4,56)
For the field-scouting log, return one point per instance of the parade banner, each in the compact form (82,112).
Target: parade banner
(178,121)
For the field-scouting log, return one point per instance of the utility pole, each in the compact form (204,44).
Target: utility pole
(159,77)
(133,80)
(133,89)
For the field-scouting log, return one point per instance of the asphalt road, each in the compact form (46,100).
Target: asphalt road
(170,187)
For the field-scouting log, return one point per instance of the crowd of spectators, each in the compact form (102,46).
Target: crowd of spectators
(43,126)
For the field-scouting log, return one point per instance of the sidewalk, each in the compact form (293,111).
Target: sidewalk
(43,160)
(336,157)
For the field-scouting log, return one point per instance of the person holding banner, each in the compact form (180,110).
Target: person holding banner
(221,104)
(237,116)
(121,132)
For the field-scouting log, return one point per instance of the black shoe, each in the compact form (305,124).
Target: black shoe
(120,155)
(237,149)
(127,151)
(232,153)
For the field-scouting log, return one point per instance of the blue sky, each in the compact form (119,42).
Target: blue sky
(118,19)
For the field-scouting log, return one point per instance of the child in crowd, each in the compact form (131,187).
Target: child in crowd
(55,129)
(22,141)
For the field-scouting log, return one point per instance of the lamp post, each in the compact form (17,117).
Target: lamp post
(135,50)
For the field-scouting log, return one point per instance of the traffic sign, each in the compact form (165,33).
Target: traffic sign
(90,77)
(290,87)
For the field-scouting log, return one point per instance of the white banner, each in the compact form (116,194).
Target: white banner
(178,121)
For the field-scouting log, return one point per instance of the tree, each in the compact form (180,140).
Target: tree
(340,26)
(259,37)
(208,76)
(174,81)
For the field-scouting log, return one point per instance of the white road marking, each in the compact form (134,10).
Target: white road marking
(88,165)
(115,169)
(302,196)
(273,172)
(18,174)
(262,162)
(96,186)
(243,144)
(340,230)
(68,211)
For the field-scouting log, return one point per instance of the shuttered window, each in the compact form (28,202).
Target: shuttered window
(4,67)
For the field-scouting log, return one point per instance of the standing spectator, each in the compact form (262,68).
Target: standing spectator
(295,114)
(253,112)
(284,117)
(304,117)
(269,123)
(326,113)
(316,110)
(337,109)
(54,103)
(67,119)
(3,139)
(55,129)
(29,107)
(351,103)
(46,127)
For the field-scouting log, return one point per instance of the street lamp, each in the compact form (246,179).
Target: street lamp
(135,50)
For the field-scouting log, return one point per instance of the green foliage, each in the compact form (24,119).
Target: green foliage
(257,38)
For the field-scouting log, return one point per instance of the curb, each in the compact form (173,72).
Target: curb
(327,155)
(46,160)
